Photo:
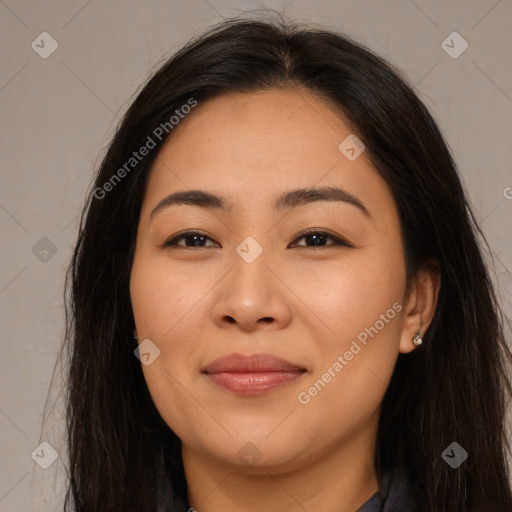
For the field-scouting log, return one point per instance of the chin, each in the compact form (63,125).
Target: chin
(258,454)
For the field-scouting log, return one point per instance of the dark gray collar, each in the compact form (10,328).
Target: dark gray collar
(399,493)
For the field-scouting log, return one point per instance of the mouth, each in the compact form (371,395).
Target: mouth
(252,375)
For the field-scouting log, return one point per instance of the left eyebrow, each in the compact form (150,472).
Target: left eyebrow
(287,200)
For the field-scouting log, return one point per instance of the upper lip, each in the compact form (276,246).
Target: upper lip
(238,363)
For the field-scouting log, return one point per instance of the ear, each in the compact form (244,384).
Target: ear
(420,305)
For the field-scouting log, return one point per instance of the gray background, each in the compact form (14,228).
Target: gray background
(58,115)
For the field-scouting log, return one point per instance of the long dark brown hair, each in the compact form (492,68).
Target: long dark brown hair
(455,387)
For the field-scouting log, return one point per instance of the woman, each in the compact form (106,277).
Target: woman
(278,299)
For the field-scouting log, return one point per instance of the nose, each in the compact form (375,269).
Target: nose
(252,297)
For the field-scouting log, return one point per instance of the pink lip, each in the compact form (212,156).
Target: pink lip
(252,375)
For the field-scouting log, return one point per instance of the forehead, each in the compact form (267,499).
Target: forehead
(243,125)
(250,146)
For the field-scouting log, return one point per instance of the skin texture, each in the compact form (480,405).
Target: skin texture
(302,303)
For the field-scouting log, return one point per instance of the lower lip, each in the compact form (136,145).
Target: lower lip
(253,383)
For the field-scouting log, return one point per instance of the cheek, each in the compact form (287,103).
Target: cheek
(343,298)
(358,309)
(164,299)
(167,308)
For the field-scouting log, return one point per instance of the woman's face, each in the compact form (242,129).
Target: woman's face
(251,283)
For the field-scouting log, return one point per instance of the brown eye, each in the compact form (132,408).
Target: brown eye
(317,239)
(192,239)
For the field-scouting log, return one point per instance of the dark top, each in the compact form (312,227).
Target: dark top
(397,494)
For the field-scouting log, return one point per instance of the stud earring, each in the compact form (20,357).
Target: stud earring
(135,339)
(417,340)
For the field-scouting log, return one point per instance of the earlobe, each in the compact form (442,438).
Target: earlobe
(420,307)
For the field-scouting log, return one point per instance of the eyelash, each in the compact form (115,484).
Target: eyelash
(337,240)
